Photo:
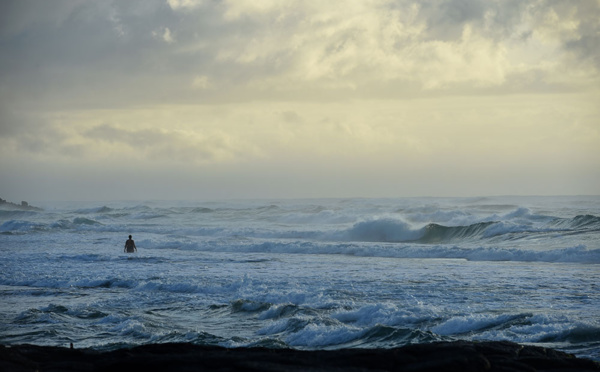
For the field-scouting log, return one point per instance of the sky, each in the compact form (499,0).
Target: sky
(229,99)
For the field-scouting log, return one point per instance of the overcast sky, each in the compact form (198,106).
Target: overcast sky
(217,99)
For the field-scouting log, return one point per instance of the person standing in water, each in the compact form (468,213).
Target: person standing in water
(130,246)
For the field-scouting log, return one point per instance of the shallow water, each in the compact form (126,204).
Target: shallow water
(309,274)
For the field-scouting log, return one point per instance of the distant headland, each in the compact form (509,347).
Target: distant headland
(24,206)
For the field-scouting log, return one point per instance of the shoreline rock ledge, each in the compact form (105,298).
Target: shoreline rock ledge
(440,356)
(24,206)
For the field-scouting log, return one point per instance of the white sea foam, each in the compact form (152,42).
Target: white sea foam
(385,314)
(306,274)
(473,323)
(579,253)
(321,335)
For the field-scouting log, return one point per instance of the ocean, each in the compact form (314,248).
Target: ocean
(304,274)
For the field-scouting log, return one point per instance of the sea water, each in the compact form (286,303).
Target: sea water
(305,274)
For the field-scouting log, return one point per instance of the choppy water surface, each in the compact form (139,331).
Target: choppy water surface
(309,274)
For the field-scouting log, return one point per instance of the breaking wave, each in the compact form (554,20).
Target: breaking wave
(390,230)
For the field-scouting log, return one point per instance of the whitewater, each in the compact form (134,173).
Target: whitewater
(304,274)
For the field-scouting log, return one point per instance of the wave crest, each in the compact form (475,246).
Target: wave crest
(383,230)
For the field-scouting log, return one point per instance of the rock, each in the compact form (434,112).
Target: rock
(441,356)
(24,206)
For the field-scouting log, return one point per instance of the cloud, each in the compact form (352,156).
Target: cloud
(378,88)
(163,145)
(364,148)
(91,54)
(34,136)
(466,45)
(585,41)
(164,35)
(21,16)
(291,117)
(201,82)
(184,4)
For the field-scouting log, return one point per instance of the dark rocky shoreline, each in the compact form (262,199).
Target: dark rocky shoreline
(24,206)
(441,356)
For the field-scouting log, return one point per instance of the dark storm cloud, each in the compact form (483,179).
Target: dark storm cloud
(86,52)
(587,46)
(445,19)
(196,83)
(110,53)
(18,17)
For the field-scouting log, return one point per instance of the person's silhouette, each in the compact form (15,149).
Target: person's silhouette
(130,246)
